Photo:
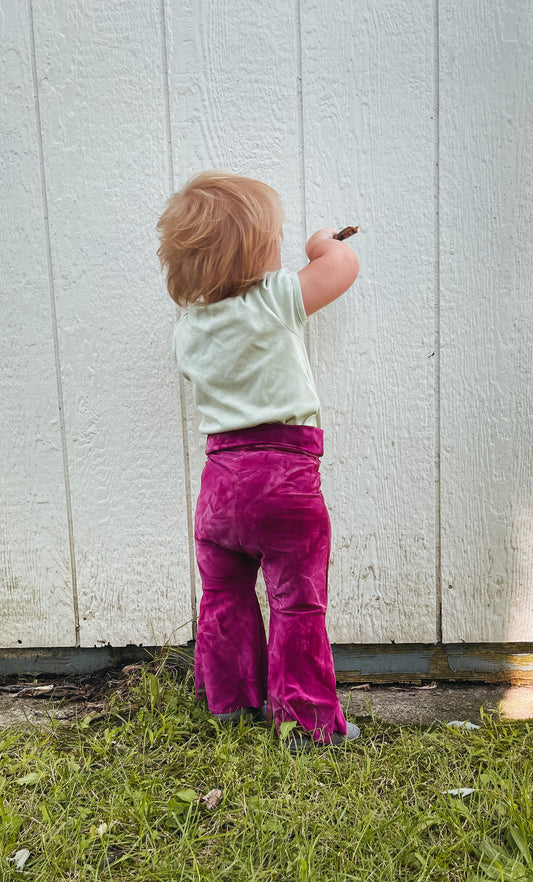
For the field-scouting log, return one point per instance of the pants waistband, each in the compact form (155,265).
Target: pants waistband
(275,436)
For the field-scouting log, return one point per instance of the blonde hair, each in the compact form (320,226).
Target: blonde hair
(218,235)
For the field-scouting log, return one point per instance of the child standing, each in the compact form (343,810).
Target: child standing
(241,345)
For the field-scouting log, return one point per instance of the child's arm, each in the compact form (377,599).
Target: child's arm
(333,268)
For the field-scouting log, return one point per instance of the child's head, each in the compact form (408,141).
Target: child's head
(219,235)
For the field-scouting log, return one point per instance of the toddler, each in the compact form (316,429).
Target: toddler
(240,343)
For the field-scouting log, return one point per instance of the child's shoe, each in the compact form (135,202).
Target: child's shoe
(297,742)
(352,732)
(259,714)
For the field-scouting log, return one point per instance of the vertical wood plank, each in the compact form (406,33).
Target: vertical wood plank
(103,113)
(369,143)
(234,105)
(36,604)
(486,101)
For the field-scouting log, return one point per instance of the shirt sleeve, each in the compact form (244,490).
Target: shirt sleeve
(282,292)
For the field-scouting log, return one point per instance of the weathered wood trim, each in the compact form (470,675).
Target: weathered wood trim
(79,661)
(371,663)
(486,662)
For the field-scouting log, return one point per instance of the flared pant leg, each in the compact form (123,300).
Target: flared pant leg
(231,651)
(295,538)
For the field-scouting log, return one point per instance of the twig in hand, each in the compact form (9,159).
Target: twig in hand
(346,233)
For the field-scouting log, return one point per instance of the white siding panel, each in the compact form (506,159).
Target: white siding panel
(233,74)
(487,320)
(36,604)
(106,155)
(369,145)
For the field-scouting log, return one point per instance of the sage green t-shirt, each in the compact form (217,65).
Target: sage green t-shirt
(246,358)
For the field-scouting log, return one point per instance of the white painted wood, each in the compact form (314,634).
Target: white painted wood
(103,120)
(486,185)
(36,606)
(234,105)
(369,145)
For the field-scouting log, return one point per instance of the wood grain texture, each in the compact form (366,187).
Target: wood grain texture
(369,142)
(106,155)
(234,105)
(35,576)
(486,663)
(360,663)
(486,175)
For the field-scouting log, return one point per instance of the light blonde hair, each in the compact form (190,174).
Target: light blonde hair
(218,235)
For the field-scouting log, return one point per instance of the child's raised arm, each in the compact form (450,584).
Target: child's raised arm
(333,268)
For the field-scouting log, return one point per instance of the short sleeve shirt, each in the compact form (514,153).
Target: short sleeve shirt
(246,358)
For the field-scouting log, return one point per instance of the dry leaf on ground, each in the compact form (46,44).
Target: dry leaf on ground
(211,799)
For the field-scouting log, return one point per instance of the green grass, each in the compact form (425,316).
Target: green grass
(120,798)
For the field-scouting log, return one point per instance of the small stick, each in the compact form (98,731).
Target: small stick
(346,233)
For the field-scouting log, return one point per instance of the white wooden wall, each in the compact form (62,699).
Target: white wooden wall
(413,119)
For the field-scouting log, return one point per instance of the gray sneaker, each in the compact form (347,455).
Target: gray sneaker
(352,732)
(259,714)
(297,742)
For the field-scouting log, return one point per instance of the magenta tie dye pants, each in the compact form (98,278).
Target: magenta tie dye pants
(260,505)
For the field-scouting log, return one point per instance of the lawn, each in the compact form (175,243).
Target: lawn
(123,797)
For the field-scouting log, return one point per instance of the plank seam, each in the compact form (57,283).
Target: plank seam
(299,81)
(438,514)
(301,132)
(53,311)
(181,382)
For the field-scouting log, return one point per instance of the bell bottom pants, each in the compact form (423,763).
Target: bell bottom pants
(260,505)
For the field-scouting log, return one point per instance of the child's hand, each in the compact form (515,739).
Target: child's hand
(316,238)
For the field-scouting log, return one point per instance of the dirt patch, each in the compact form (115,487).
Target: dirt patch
(442,702)
(34,702)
